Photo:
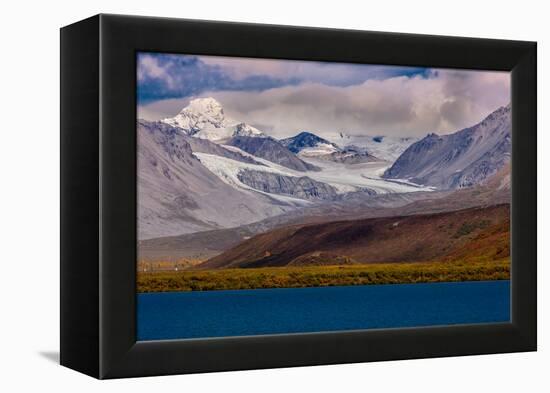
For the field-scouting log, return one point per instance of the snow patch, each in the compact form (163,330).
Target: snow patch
(387,148)
(320,149)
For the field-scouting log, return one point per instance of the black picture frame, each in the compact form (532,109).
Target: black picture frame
(98,196)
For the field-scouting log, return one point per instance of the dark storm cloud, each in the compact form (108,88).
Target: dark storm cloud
(162,76)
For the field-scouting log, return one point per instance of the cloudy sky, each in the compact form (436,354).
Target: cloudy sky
(283,97)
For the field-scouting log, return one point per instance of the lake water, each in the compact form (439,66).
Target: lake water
(179,315)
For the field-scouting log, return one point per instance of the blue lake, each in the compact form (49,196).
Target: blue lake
(179,315)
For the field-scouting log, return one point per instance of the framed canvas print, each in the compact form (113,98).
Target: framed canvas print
(239,196)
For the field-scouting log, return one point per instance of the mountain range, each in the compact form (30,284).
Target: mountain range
(203,171)
(177,194)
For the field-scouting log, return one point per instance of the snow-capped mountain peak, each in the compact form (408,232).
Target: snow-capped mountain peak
(307,141)
(205,118)
(243,129)
(209,109)
(201,113)
(208,106)
(309,145)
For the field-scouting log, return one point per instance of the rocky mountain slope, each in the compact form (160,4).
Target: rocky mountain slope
(463,159)
(271,150)
(205,146)
(177,194)
(299,187)
(306,142)
(412,238)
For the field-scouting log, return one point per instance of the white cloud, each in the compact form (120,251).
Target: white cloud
(161,109)
(445,102)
